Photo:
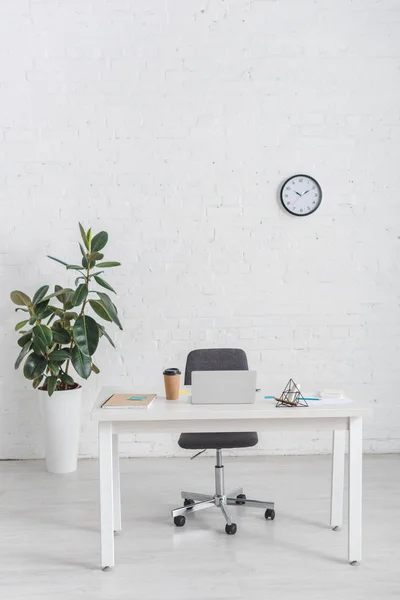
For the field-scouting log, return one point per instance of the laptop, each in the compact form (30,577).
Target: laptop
(224,387)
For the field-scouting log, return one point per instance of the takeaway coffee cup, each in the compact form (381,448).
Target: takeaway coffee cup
(172,378)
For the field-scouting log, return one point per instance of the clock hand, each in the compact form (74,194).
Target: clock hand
(298,193)
(305,192)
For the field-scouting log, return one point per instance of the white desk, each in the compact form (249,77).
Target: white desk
(181,416)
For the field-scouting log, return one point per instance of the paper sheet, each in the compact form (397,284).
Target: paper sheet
(332,401)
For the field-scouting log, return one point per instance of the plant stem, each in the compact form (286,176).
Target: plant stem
(87,279)
(60,373)
(87,285)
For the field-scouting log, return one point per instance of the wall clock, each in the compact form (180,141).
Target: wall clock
(301,195)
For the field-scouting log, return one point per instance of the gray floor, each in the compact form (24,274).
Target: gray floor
(49,546)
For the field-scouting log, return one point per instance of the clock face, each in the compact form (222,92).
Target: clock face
(301,195)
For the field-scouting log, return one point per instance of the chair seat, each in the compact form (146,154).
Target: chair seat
(199,441)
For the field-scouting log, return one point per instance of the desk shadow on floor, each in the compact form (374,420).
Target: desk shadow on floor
(38,559)
(301,519)
(49,521)
(305,551)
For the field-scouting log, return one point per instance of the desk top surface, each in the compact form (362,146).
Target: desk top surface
(183,410)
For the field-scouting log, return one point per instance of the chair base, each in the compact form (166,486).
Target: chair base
(219,499)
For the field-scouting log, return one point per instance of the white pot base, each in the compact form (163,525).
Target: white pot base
(61,425)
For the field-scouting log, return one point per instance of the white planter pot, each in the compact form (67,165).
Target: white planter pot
(61,424)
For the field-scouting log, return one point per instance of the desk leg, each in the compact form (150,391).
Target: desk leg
(106,495)
(338,450)
(116,484)
(355,489)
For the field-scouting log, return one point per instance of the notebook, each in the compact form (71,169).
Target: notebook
(129,401)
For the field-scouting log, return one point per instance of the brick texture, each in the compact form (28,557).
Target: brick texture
(172,125)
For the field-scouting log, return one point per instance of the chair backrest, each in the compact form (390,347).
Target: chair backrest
(215,359)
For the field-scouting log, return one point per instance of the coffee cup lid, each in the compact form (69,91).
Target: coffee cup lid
(172,371)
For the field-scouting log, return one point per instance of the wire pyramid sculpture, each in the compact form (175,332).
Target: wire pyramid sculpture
(291,396)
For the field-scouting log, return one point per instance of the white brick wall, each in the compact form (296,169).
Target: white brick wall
(172,125)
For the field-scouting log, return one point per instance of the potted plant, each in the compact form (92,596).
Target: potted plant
(56,336)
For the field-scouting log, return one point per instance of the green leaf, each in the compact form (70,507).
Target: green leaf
(20,325)
(60,335)
(42,337)
(68,299)
(41,309)
(54,367)
(24,338)
(20,298)
(109,264)
(99,241)
(89,237)
(25,309)
(59,355)
(22,354)
(34,366)
(104,283)
(95,256)
(70,315)
(110,308)
(84,236)
(77,280)
(80,294)
(86,334)
(32,320)
(36,382)
(51,318)
(100,310)
(59,292)
(82,250)
(74,267)
(46,313)
(51,384)
(81,363)
(58,260)
(67,379)
(84,262)
(40,294)
(104,332)
(36,347)
(95,369)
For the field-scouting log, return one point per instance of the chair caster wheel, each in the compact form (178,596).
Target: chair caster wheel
(106,569)
(231,529)
(241,499)
(270,514)
(180,521)
(188,502)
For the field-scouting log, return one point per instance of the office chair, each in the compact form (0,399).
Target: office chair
(224,359)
